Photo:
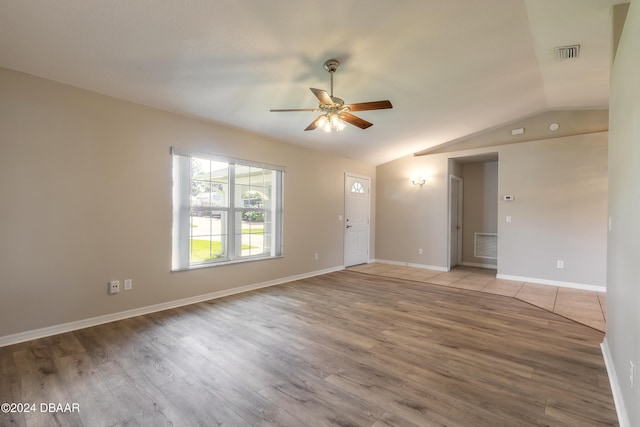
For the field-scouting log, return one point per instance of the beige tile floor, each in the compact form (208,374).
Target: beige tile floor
(586,307)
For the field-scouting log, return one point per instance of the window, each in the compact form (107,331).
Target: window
(357,188)
(224,210)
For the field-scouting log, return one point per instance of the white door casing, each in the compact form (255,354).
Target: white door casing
(455,221)
(357,228)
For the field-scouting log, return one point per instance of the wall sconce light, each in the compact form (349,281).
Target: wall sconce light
(418,181)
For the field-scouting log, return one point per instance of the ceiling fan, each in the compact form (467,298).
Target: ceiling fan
(334,111)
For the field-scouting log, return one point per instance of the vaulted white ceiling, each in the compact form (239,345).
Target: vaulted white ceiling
(450,67)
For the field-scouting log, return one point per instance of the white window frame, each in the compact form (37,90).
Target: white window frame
(181,232)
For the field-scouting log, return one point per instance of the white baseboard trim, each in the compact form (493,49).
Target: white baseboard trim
(98,320)
(572,285)
(621,410)
(409,264)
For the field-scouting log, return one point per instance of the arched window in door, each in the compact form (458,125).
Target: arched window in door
(357,187)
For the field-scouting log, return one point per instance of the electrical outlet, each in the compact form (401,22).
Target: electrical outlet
(631,373)
(128,284)
(114,286)
(316,256)
(560,263)
(420,251)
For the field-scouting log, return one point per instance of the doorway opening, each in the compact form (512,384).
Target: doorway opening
(473,213)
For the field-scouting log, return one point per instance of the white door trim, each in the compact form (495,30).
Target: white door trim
(455,180)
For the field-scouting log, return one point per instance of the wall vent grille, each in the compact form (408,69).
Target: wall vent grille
(485,245)
(567,52)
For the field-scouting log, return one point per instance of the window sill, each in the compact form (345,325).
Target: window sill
(223,263)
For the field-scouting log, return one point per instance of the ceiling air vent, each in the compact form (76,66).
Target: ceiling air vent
(567,52)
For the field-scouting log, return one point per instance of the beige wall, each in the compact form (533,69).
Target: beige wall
(623,283)
(85,190)
(559,212)
(410,217)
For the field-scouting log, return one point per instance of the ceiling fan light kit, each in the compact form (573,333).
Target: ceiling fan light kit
(330,122)
(335,113)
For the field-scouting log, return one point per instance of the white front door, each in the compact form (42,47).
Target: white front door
(356,208)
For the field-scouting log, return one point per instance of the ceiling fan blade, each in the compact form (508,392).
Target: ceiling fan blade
(356,121)
(314,124)
(293,109)
(375,105)
(323,96)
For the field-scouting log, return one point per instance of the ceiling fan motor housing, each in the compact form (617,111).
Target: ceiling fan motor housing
(339,102)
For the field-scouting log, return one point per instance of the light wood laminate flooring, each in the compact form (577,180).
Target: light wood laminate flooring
(342,349)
